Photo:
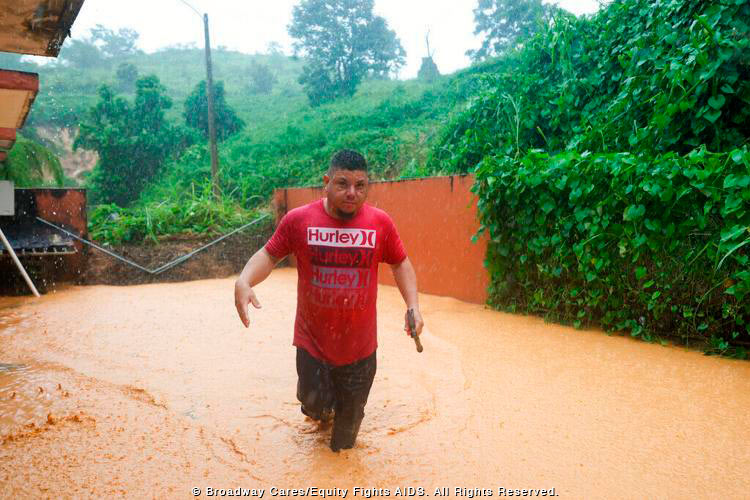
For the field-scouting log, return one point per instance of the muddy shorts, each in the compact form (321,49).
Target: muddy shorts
(342,391)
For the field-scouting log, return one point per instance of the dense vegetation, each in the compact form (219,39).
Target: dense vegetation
(133,141)
(285,141)
(30,164)
(613,170)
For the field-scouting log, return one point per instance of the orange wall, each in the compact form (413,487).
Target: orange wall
(436,218)
(66,207)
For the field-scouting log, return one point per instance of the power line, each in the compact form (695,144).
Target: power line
(194,9)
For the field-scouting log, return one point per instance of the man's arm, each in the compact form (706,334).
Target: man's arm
(406,279)
(256,270)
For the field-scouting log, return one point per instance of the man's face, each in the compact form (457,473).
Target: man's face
(346,191)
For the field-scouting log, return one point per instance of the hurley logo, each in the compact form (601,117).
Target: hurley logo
(335,237)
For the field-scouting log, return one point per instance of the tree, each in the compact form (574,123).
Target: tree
(196,112)
(344,42)
(262,79)
(127,74)
(274,49)
(505,23)
(428,71)
(132,140)
(115,45)
(102,46)
(82,54)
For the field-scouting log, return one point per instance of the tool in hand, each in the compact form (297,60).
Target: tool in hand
(413,329)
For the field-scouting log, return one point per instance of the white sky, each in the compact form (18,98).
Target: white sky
(249,25)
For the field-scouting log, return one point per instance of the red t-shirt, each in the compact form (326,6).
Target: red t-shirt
(337,277)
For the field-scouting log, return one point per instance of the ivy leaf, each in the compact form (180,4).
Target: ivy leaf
(712,116)
(640,272)
(633,212)
(548,206)
(652,225)
(732,180)
(716,101)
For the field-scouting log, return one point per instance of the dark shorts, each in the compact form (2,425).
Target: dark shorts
(342,390)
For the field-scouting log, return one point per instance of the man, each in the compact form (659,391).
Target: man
(338,241)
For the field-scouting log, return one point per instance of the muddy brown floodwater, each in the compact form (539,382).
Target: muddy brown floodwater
(155,389)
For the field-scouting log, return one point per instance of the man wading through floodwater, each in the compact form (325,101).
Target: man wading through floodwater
(338,241)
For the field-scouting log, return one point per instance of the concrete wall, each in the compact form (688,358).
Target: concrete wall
(436,218)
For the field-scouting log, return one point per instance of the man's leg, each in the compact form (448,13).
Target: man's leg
(351,384)
(314,386)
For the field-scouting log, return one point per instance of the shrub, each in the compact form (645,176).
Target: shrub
(657,246)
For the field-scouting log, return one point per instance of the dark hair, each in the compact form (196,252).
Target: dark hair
(346,159)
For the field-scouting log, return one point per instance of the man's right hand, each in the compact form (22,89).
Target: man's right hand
(243,296)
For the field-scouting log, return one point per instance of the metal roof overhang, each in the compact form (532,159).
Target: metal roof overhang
(36,27)
(33,27)
(18,90)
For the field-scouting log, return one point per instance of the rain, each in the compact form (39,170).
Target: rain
(368,248)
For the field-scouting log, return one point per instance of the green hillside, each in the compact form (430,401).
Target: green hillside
(66,92)
(394,122)
(285,142)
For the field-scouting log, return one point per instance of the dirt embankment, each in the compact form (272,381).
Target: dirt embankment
(221,260)
(74,163)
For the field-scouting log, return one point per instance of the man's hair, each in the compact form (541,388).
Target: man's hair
(346,159)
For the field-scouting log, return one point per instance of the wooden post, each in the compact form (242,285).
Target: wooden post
(211,115)
(18,263)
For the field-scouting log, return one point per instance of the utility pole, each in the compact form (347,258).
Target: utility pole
(210,96)
(211,116)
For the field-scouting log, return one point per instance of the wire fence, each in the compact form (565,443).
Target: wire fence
(164,267)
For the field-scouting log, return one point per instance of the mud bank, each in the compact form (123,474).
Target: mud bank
(224,259)
(156,389)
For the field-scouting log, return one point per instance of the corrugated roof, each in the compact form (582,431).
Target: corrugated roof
(36,27)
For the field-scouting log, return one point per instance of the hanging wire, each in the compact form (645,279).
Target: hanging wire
(160,269)
(194,9)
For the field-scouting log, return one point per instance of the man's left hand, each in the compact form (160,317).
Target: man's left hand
(418,322)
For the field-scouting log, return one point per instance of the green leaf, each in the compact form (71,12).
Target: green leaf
(717,101)
(732,180)
(640,272)
(633,212)
(548,206)
(712,116)
(730,252)
(652,224)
